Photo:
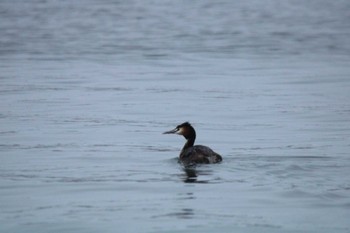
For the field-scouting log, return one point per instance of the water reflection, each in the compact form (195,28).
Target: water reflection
(190,175)
(183,213)
(195,174)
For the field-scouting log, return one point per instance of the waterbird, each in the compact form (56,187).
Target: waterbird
(193,154)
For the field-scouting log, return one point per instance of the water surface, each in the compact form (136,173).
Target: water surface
(87,89)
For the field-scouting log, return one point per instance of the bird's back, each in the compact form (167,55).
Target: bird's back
(199,154)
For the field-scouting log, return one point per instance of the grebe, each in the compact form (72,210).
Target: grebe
(191,154)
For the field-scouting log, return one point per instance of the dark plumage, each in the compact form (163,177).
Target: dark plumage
(191,154)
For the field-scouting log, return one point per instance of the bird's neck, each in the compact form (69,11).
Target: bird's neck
(190,142)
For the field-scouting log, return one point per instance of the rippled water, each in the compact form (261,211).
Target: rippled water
(87,89)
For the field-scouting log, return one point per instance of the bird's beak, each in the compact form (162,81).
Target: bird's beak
(171,131)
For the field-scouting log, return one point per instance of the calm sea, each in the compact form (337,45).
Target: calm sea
(87,88)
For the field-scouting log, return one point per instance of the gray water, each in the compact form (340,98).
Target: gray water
(87,88)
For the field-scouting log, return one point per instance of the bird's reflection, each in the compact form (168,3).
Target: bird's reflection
(193,173)
(190,176)
(185,213)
